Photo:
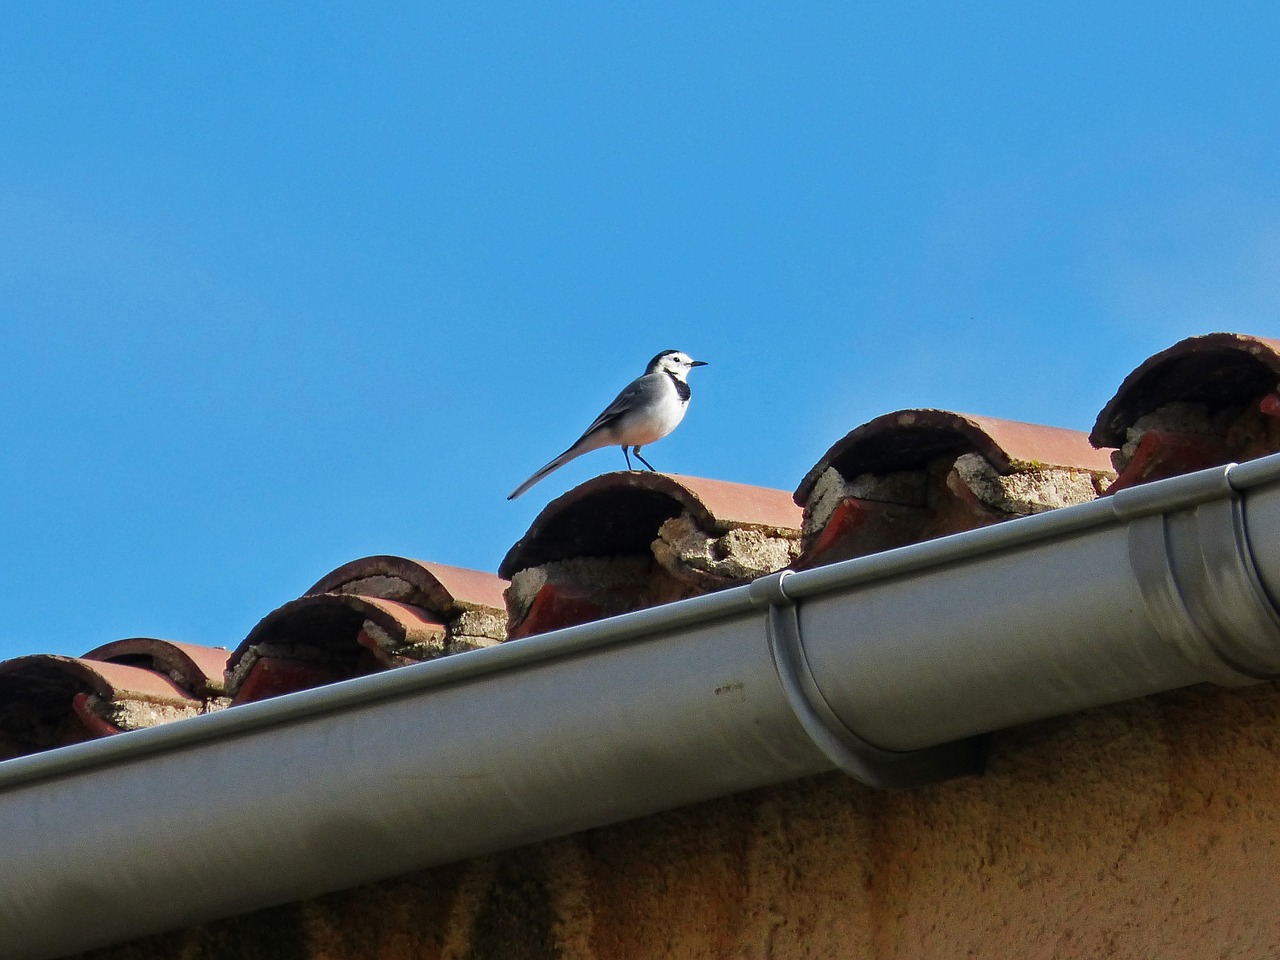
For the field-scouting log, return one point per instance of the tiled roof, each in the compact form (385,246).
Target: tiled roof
(623,541)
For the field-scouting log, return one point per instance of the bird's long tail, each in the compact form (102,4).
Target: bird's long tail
(572,453)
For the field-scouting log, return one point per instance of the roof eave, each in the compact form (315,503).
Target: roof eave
(1112,602)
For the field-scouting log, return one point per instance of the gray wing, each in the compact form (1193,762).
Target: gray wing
(637,393)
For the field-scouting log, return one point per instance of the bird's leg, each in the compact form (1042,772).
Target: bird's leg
(636,451)
(628,456)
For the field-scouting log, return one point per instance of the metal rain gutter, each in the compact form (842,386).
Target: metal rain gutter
(891,667)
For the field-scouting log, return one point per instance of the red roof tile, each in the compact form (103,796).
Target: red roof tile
(197,669)
(108,680)
(333,621)
(908,439)
(1216,369)
(620,513)
(436,586)
(336,636)
(49,701)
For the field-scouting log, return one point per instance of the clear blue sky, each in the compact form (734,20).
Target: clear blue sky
(283,289)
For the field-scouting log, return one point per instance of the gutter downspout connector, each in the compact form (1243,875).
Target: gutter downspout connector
(891,667)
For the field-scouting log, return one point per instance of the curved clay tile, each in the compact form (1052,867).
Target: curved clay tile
(620,513)
(629,540)
(49,701)
(1203,402)
(435,586)
(1216,369)
(328,637)
(197,669)
(909,439)
(915,475)
(469,602)
(109,680)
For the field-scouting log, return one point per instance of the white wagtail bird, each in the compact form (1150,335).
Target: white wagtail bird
(647,409)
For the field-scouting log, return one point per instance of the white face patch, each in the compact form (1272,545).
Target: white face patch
(679,363)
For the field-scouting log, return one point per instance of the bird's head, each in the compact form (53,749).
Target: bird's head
(675,362)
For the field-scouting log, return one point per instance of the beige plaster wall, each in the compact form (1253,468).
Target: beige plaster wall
(1146,830)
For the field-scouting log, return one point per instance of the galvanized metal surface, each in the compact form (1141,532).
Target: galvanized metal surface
(1158,587)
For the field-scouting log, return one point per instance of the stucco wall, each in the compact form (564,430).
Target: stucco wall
(1147,830)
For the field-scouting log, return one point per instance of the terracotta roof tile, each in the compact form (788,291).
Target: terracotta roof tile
(321,638)
(908,439)
(1216,369)
(914,475)
(629,540)
(197,669)
(621,512)
(436,586)
(1203,402)
(106,679)
(48,701)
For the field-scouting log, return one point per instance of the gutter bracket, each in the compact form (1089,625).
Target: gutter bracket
(869,764)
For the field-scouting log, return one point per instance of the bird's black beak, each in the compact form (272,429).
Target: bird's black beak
(698,363)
